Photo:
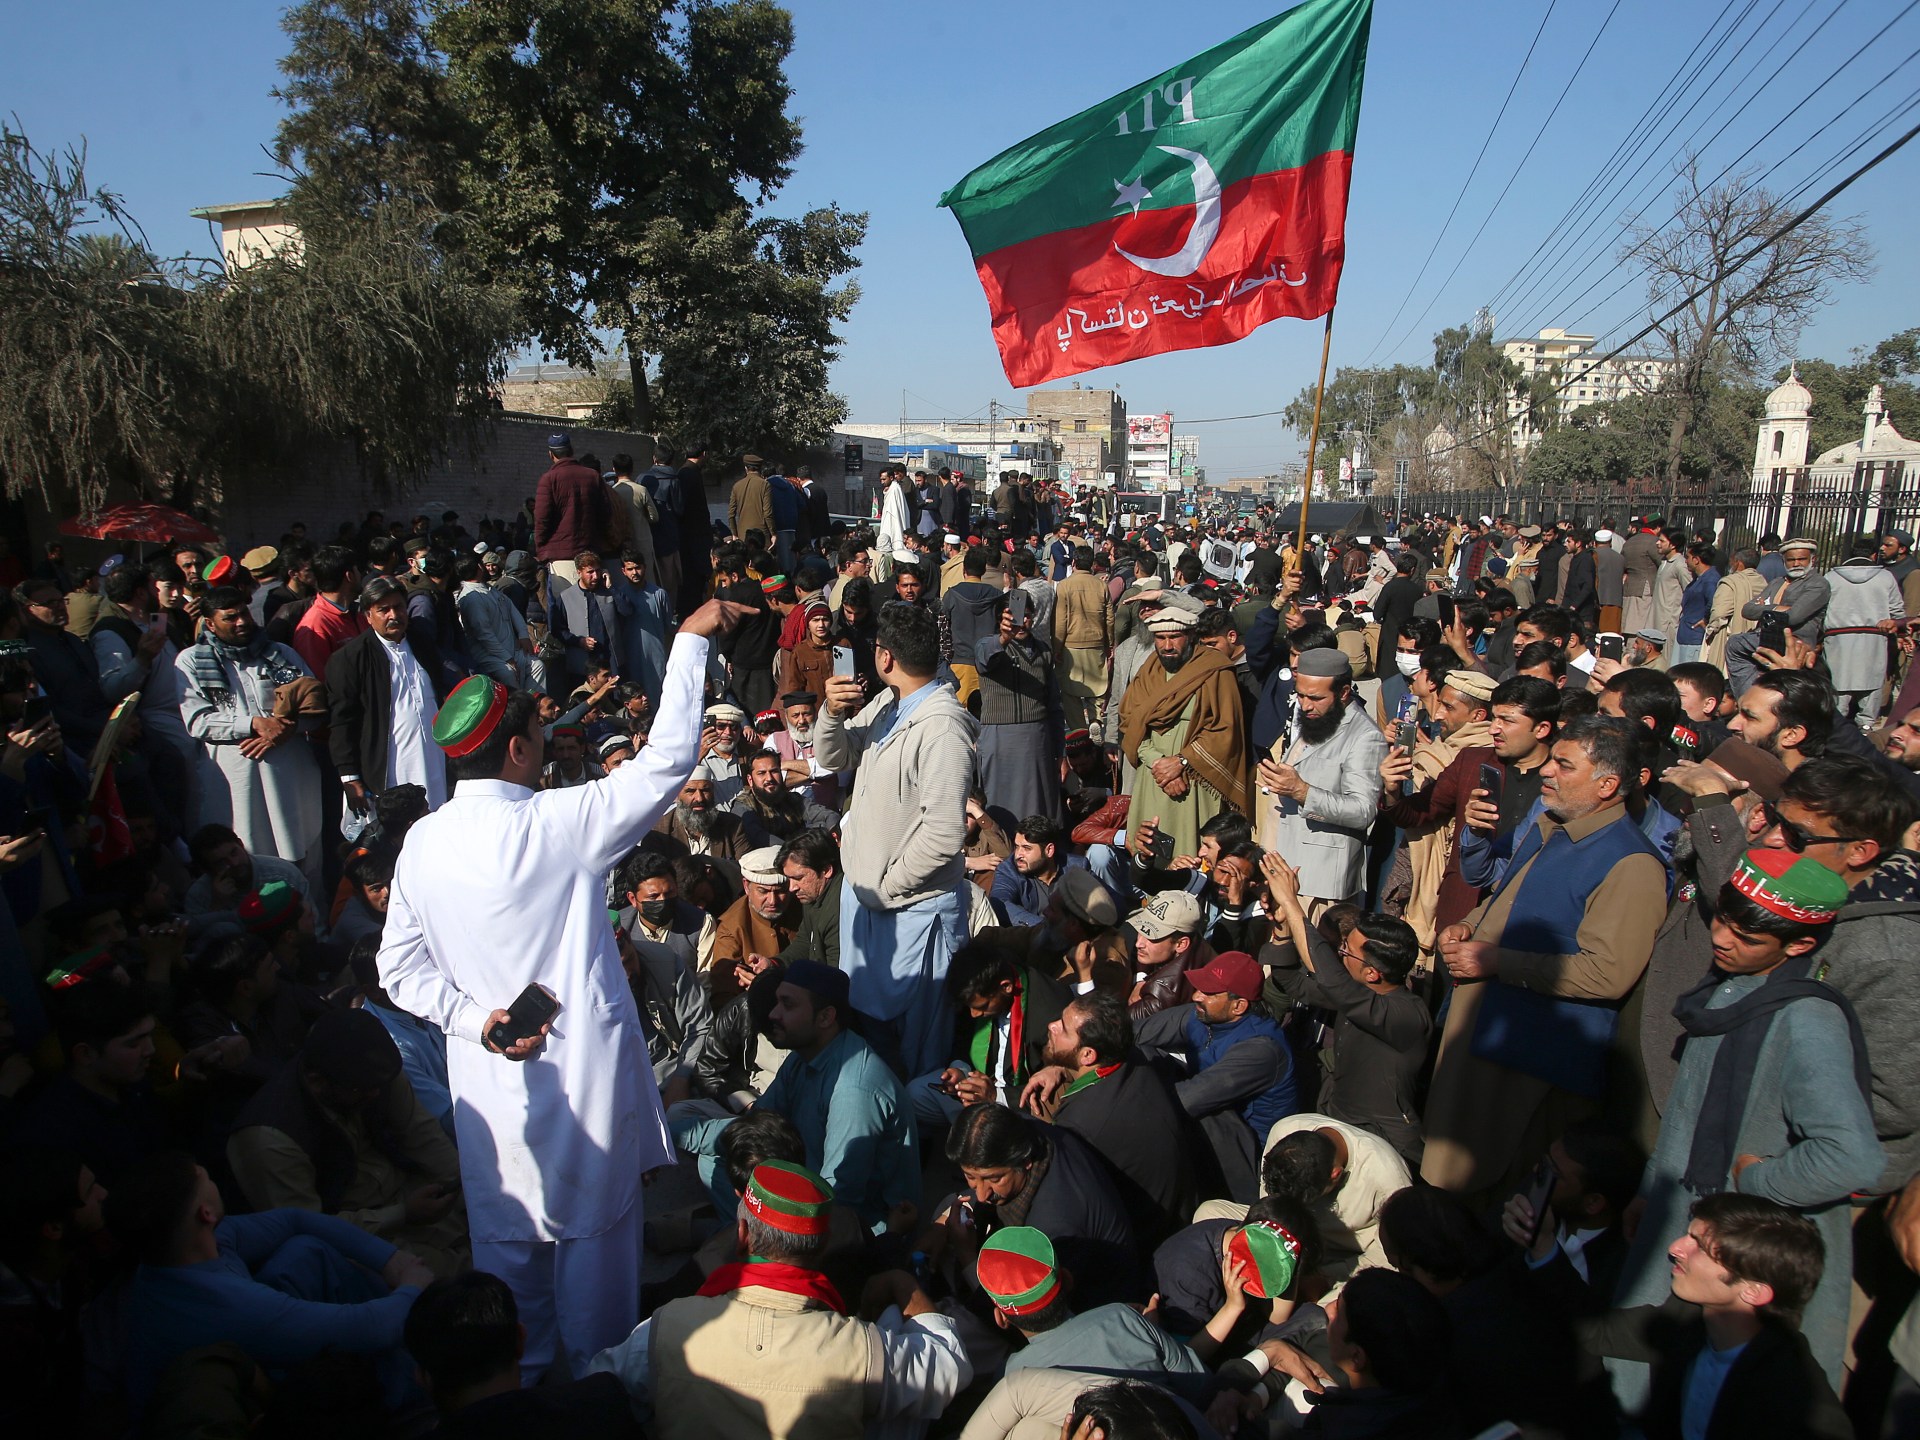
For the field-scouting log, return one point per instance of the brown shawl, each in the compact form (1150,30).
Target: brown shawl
(808,668)
(1216,743)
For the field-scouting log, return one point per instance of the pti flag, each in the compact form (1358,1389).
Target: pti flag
(1183,212)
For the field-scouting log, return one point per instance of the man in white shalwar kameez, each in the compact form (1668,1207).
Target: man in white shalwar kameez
(501,888)
(257,770)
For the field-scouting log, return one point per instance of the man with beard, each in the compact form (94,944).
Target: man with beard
(1026,877)
(696,826)
(793,743)
(1002,1004)
(1902,744)
(227,874)
(257,770)
(1182,728)
(720,735)
(847,1105)
(1123,1110)
(1787,714)
(770,813)
(383,688)
(570,765)
(756,927)
(811,863)
(1318,800)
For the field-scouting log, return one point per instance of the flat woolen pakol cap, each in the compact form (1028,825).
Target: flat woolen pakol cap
(1018,1271)
(762,866)
(1469,682)
(470,716)
(1763,774)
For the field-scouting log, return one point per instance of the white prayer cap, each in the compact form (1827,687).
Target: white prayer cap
(1603,536)
(762,866)
(907,557)
(1486,519)
(953,539)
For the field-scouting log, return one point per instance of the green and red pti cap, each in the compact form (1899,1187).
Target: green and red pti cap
(1791,886)
(789,1197)
(1018,1271)
(1271,1255)
(79,968)
(470,715)
(270,909)
(221,571)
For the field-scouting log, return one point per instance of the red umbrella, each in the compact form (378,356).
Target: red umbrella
(152,524)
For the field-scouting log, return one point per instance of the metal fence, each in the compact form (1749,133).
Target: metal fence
(1879,496)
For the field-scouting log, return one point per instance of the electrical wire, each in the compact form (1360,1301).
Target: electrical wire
(1794,223)
(1556,304)
(1473,170)
(1494,208)
(1621,151)
(1608,196)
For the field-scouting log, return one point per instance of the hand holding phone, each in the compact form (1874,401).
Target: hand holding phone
(518,1031)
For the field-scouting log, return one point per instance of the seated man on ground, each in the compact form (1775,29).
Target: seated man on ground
(284,1286)
(338,1130)
(1003,1007)
(466,1339)
(815,1368)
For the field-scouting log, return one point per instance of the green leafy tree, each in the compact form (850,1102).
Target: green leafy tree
(594,119)
(369,123)
(99,378)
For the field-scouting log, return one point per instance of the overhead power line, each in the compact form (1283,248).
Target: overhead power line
(1471,172)
(1799,219)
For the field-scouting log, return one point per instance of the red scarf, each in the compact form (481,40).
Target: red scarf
(771,1275)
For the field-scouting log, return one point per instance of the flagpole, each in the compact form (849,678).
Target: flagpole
(1313,442)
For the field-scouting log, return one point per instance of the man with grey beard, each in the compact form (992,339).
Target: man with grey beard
(696,825)
(794,745)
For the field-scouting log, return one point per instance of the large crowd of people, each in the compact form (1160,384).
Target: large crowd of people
(1012,969)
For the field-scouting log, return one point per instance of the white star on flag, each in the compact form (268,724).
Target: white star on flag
(1131,193)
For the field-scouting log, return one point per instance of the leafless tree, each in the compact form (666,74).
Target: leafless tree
(1754,292)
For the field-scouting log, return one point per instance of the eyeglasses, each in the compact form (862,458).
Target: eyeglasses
(1355,957)
(1797,836)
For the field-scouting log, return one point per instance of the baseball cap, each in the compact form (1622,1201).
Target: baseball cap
(1171,912)
(1234,973)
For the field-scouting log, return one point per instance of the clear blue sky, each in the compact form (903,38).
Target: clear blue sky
(899,100)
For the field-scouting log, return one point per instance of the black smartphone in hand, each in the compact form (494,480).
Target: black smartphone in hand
(1539,1192)
(534,1008)
(1772,631)
(1162,850)
(1491,779)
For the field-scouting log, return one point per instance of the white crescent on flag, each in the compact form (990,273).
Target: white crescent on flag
(1206,221)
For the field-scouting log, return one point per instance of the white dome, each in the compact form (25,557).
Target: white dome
(1791,400)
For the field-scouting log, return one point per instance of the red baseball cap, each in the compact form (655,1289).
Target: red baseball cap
(1234,973)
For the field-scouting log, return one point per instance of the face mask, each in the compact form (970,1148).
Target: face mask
(655,911)
(1407,665)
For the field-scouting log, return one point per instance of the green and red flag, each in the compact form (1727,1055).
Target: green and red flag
(1183,212)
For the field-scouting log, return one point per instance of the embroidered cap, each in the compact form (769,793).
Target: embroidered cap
(470,716)
(1018,1271)
(1791,886)
(790,1198)
(79,968)
(773,584)
(270,909)
(1271,1256)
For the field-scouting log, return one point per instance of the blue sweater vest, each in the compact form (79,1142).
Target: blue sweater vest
(1559,1040)
(1210,1042)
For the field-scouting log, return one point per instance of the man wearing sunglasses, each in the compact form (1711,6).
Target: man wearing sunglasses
(1841,813)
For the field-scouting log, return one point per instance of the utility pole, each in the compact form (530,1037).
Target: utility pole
(993,416)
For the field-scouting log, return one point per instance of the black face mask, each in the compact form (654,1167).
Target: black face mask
(655,911)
